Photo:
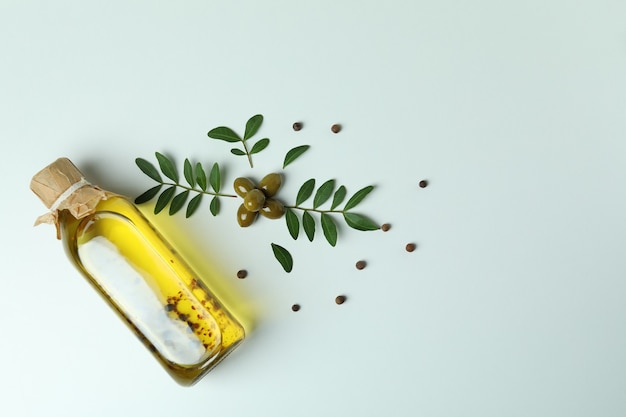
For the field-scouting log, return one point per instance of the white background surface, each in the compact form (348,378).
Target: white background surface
(512,305)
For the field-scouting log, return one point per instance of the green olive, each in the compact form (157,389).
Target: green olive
(273,209)
(270,184)
(244,217)
(242,186)
(254,200)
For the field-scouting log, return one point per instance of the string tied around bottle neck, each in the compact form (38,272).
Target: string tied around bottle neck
(78,184)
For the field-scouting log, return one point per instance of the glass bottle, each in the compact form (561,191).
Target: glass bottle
(138,273)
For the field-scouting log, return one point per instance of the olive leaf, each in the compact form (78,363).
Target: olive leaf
(252,126)
(215,178)
(358,197)
(294,153)
(201,176)
(293,224)
(167,167)
(214,206)
(147,168)
(224,133)
(238,152)
(323,193)
(188,171)
(193,205)
(283,256)
(148,195)
(308,224)
(359,222)
(259,146)
(164,199)
(305,191)
(338,198)
(329,228)
(178,202)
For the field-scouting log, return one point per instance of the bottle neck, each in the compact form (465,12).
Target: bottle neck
(79,200)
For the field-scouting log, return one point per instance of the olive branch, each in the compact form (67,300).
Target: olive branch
(322,195)
(195,177)
(252,126)
(199,183)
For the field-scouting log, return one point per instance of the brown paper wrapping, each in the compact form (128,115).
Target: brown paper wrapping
(61,186)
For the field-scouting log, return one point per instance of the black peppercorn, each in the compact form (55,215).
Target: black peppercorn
(340,299)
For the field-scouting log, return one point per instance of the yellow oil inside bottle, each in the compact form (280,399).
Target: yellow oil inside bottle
(151,288)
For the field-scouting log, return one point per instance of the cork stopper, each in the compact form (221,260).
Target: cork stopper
(61,186)
(51,182)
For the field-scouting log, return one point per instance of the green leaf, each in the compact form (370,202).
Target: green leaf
(294,153)
(237,152)
(252,126)
(293,224)
(148,195)
(338,198)
(163,199)
(323,193)
(178,202)
(193,205)
(359,222)
(224,133)
(329,228)
(283,256)
(305,191)
(358,197)
(215,178)
(147,168)
(188,171)
(167,167)
(214,207)
(201,176)
(259,146)
(308,223)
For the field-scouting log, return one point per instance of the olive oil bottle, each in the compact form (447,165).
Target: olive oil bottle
(138,273)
